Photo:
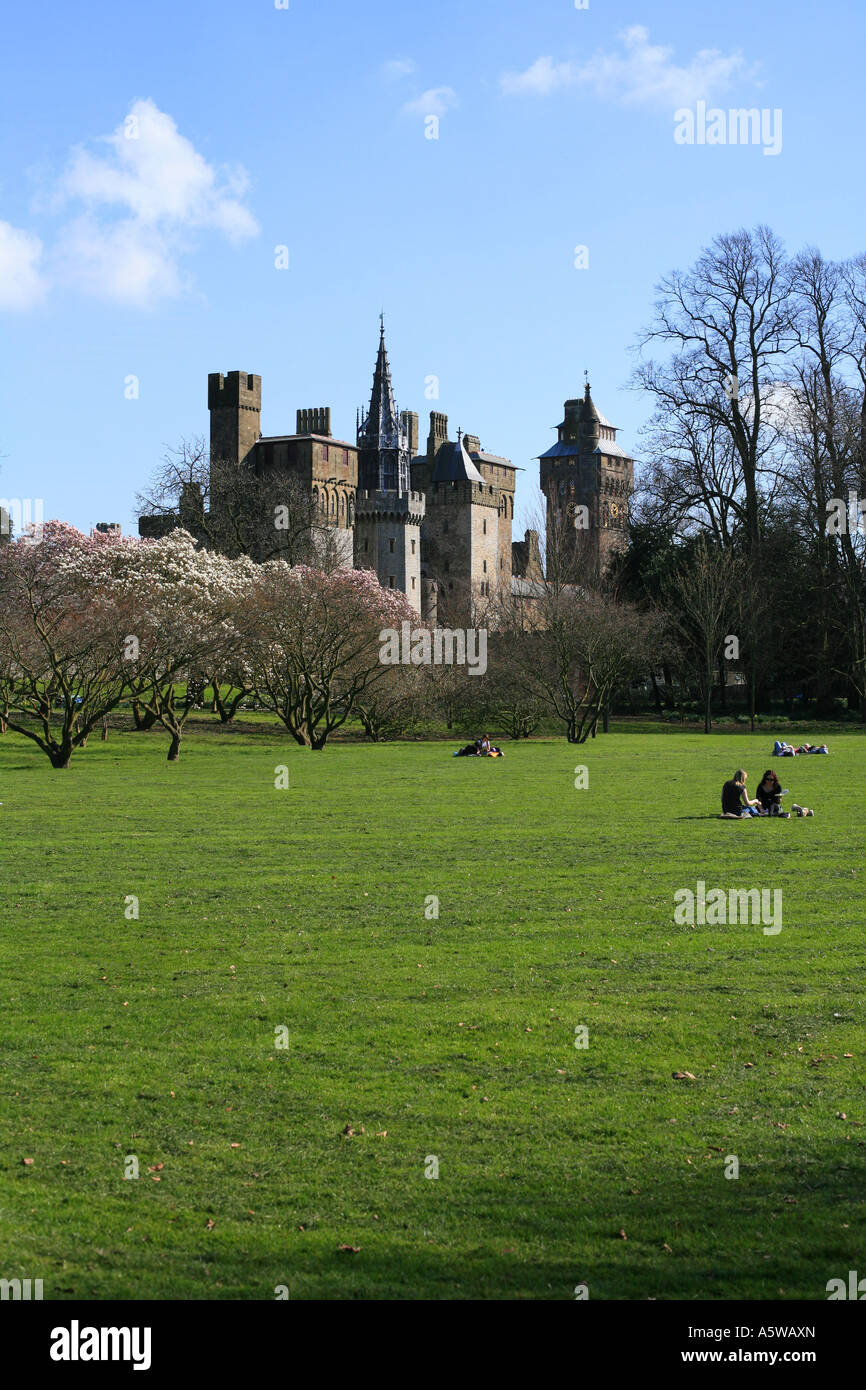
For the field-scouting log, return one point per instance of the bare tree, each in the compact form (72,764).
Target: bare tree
(576,650)
(728,321)
(229,507)
(702,599)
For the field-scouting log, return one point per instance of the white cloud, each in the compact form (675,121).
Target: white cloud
(144,197)
(400,67)
(434,102)
(21,281)
(542,77)
(638,73)
(126,263)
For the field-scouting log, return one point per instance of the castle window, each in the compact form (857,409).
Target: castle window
(390,581)
(413,552)
(391,545)
(445,526)
(484,528)
(485,566)
(324,453)
(413,581)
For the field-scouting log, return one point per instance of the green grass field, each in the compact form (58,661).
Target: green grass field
(450,1038)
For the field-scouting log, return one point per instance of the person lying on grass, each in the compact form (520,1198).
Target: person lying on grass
(735,800)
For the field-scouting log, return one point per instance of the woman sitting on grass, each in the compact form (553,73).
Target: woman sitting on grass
(770,794)
(735,801)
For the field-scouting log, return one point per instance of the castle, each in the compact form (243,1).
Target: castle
(435,524)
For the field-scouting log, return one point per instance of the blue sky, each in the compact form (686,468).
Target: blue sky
(256,127)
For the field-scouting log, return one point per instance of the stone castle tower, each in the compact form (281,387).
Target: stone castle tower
(467,529)
(587,479)
(388,514)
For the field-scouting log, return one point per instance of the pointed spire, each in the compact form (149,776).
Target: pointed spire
(381,439)
(587,410)
(381,425)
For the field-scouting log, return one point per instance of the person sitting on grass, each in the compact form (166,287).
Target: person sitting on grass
(770,795)
(735,800)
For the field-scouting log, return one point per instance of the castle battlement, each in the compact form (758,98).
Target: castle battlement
(461,492)
(240,390)
(407,508)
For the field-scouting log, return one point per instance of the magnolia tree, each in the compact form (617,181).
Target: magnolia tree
(184,601)
(89,621)
(63,630)
(314,643)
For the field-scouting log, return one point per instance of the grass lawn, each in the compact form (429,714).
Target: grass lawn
(450,1038)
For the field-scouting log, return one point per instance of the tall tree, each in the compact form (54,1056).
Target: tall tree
(728,324)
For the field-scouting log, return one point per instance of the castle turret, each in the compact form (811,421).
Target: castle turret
(383,443)
(589,423)
(235,405)
(388,539)
(461,535)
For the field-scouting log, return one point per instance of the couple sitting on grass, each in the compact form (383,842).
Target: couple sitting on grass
(736,802)
(481,748)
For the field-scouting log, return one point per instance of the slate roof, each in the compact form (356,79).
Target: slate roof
(453,465)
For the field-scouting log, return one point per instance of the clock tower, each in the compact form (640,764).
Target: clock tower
(587,479)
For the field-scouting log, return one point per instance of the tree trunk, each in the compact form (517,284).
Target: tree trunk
(142,721)
(656,694)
